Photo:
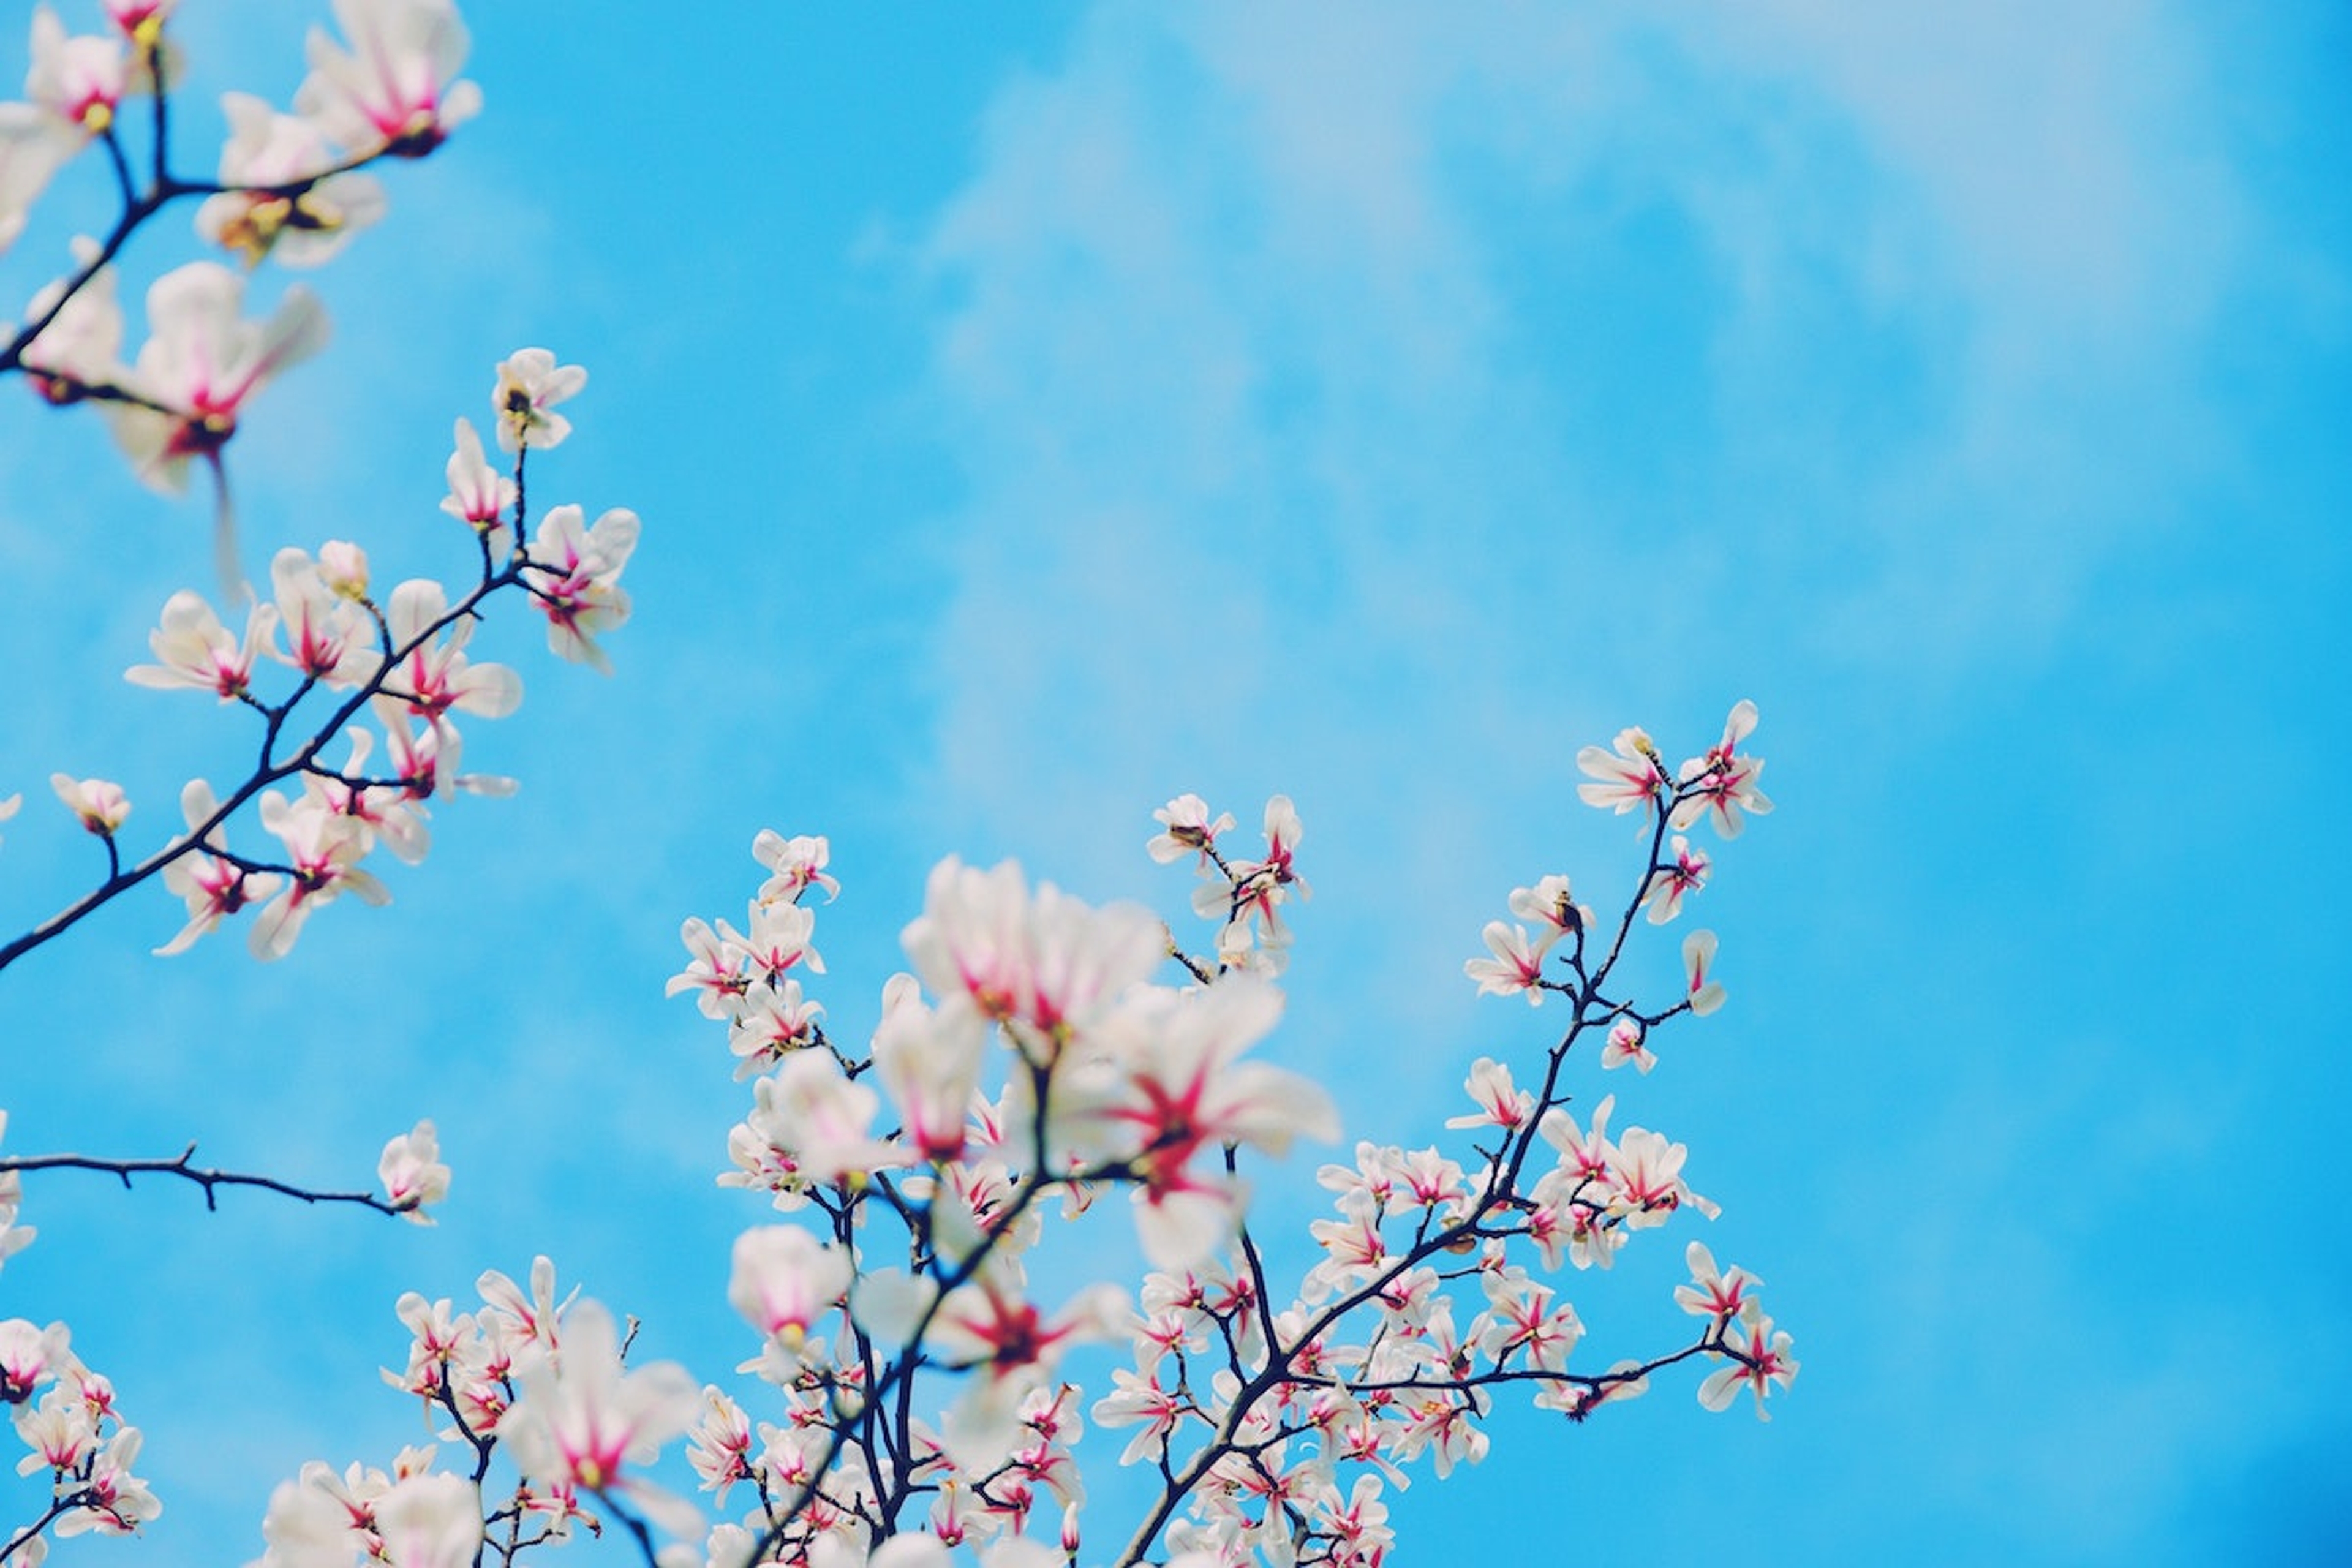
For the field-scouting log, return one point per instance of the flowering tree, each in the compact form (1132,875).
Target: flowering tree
(906,1391)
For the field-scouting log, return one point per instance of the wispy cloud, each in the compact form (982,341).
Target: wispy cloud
(1288,356)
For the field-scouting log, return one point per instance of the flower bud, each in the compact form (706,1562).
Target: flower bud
(100,805)
(344,567)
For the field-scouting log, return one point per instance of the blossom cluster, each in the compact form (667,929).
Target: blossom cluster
(390,671)
(287,190)
(65,1415)
(915,1388)
(402,664)
(1277,1421)
(542,1378)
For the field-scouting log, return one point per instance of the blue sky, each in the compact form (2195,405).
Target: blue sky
(1037,418)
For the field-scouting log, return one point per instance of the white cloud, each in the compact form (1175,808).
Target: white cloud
(1296,360)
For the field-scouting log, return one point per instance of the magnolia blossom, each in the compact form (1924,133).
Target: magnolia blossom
(478,494)
(1628,1042)
(429,1522)
(99,803)
(1186,829)
(1444,1427)
(1645,1175)
(773,1021)
(1724,780)
(929,1062)
(719,972)
(425,758)
(718,1445)
(434,677)
(1631,776)
(574,573)
(1177,1089)
(1552,909)
(214,886)
(1583,1155)
(1373,1174)
(816,1123)
(795,865)
(308,1527)
(329,637)
(115,1502)
(344,567)
(1725,1294)
(1045,961)
(1569,1199)
(1667,884)
(1516,968)
(30,1355)
(286,207)
(1426,1179)
(1139,1400)
(531,384)
(1767,1363)
(778,942)
(1250,895)
(1501,1102)
(413,1517)
(59,1430)
(1623,1382)
(444,1349)
(582,1420)
(200,653)
(1353,1247)
(200,364)
(1011,1349)
(1521,1320)
(536,1316)
(324,848)
(394,90)
(80,80)
(412,1172)
(1359,1528)
(1256,1488)
(785,1279)
(391,815)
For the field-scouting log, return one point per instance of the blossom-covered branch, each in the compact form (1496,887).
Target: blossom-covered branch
(410,1169)
(925,1172)
(73,1432)
(288,192)
(288,186)
(402,663)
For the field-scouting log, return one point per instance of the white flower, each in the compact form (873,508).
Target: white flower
(393,92)
(531,384)
(99,803)
(269,149)
(201,362)
(412,1172)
